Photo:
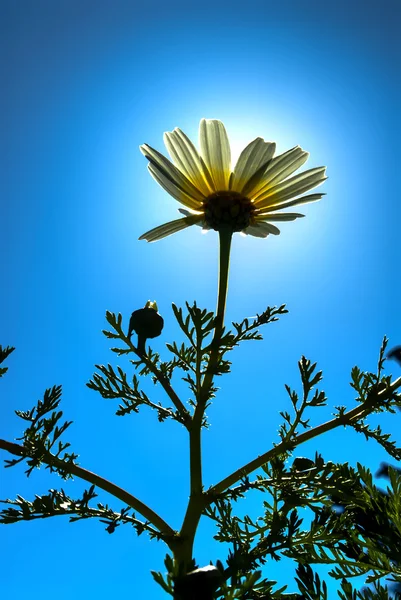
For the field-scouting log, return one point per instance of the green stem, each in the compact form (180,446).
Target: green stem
(225,236)
(167,532)
(355,414)
(196,501)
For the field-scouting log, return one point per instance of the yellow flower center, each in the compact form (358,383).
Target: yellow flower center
(230,209)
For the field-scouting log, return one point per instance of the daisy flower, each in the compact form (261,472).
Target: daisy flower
(249,198)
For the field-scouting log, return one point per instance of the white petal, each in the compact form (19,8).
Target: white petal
(255,231)
(261,230)
(173,189)
(279,168)
(295,186)
(187,213)
(168,229)
(190,213)
(252,163)
(281,205)
(171,172)
(215,151)
(289,163)
(269,227)
(266,216)
(188,160)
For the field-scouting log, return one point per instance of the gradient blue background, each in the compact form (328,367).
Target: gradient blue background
(84,83)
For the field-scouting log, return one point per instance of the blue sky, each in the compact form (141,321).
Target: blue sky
(84,84)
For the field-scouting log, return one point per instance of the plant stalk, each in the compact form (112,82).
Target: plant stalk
(225,236)
(355,414)
(196,501)
(49,459)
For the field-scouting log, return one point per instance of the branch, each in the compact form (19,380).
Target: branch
(102,483)
(57,503)
(116,323)
(4,353)
(204,390)
(352,415)
(185,415)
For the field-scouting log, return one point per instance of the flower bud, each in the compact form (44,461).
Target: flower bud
(302,464)
(147,323)
(395,353)
(199,584)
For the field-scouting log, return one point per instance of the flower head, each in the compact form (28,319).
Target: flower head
(248,198)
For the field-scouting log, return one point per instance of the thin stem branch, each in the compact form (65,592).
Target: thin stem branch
(354,414)
(164,382)
(89,513)
(102,483)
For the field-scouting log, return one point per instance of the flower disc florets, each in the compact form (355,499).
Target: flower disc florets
(228,209)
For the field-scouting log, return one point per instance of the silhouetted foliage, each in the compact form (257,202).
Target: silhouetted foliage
(314,511)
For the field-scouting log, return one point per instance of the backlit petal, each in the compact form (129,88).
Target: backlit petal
(277,216)
(252,162)
(168,229)
(262,230)
(167,169)
(280,205)
(173,189)
(187,213)
(295,186)
(187,159)
(279,168)
(215,151)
